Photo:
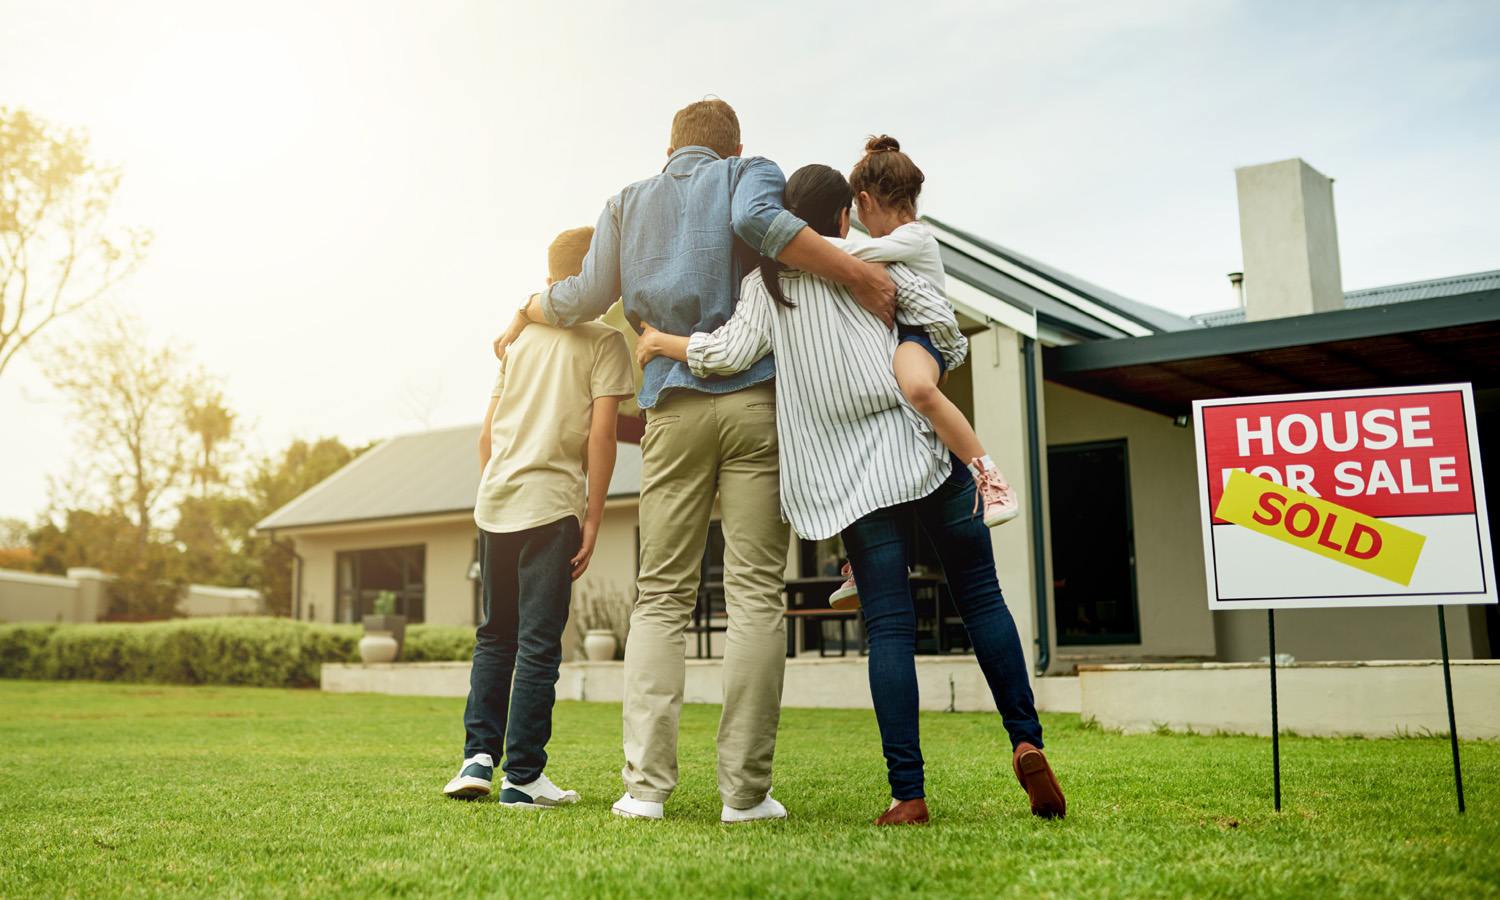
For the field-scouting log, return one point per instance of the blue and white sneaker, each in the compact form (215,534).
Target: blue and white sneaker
(473,778)
(539,794)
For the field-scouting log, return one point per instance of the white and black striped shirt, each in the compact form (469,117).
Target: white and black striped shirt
(850,442)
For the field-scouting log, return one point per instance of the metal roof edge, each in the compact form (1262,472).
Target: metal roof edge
(1345,324)
(1101,309)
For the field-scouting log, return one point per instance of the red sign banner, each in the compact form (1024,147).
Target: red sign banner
(1389,455)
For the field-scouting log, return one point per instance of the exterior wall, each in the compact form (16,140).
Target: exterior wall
(1174,616)
(1381,699)
(448,593)
(83,596)
(993,384)
(202,600)
(449,543)
(944,682)
(1175,620)
(25,597)
(1318,635)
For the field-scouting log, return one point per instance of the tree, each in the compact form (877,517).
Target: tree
(77,537)
(277,482)
(127,398)
(212,426)
(214,532)
(58,248)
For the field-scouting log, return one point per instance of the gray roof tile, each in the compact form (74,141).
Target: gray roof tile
(1383,296)
(424,474)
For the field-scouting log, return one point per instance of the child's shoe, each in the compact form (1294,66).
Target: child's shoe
(539,794)
(847,596)
(991,492)
(473,778)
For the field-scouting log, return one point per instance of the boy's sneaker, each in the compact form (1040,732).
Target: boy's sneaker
(539,794)
(631,808)
(847,596)
(998,498)
(765,809)
(473,778)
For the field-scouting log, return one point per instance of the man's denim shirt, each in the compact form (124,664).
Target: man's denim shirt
(675,246)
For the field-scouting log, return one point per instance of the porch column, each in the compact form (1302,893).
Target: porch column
(996,367)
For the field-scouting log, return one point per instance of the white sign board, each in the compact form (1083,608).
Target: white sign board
(1343,498)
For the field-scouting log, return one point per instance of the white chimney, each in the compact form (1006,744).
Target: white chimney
(1289,239)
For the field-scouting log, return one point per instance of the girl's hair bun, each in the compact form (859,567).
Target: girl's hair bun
(884,142)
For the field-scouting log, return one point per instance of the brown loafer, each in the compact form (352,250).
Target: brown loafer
(905,812)
(1041,785)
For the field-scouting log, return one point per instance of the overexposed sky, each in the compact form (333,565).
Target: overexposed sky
(350,198)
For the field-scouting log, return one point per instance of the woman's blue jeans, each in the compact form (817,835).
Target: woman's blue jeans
(878,550)
(528,580)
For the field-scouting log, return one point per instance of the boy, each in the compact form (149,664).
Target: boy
(551,420)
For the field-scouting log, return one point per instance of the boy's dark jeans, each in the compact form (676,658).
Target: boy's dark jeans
(527,584)
(878,553)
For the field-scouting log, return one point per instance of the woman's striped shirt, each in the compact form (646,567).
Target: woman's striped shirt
(850,442)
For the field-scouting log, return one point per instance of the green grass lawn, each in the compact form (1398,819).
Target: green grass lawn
(141,791)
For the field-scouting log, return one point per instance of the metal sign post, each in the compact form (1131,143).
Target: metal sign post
(1275,725)
(1458,777)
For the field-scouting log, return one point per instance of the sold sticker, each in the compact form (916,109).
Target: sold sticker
(1325,528)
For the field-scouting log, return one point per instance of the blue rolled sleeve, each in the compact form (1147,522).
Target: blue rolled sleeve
(758,212)
(589,294)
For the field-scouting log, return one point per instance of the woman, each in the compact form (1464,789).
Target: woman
(858,459)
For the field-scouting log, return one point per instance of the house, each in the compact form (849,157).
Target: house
(1082,397)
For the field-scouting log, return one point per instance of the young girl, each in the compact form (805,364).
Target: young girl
(886,184)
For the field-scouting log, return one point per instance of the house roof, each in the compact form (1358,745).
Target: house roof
(425,474)
(988,282)
(1383,296)
(1102,310)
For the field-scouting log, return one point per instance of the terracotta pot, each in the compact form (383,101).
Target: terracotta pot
(599,644)
(377,647)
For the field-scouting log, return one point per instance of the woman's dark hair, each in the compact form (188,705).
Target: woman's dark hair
(817,195)
(888,175)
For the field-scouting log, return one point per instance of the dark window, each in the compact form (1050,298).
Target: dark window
(1093,544)
(363,574)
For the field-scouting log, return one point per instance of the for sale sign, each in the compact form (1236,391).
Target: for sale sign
(1345,498)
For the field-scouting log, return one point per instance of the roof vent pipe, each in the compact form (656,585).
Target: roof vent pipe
(1237,281)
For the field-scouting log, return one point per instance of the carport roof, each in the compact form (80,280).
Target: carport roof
(1444,339)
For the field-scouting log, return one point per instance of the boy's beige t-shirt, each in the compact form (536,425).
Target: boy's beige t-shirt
(547,384)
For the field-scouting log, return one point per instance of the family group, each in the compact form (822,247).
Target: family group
(793,374)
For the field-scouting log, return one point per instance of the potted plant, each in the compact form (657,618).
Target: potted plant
(604,618)
(385,631)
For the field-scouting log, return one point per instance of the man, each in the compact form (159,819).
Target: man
(674,247)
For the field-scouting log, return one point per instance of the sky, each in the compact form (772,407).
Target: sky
(351,197)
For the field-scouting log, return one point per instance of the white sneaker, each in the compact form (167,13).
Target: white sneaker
(765,809)
(539,794)
(631,808)
(473,778)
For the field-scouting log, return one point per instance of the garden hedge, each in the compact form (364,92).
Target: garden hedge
(261,652)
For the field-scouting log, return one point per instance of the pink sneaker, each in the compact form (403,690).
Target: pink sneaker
(997,497)
(847,596)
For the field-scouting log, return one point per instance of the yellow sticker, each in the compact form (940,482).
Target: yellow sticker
(1325,528)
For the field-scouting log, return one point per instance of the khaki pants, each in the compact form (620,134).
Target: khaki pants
(694,444)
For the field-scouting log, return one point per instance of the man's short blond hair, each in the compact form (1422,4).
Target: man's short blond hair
(565,256)
(707,123)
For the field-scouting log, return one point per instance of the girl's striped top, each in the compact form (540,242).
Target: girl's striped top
(850,442)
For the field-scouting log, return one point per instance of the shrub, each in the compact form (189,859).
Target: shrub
(262,652)
(438,643)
